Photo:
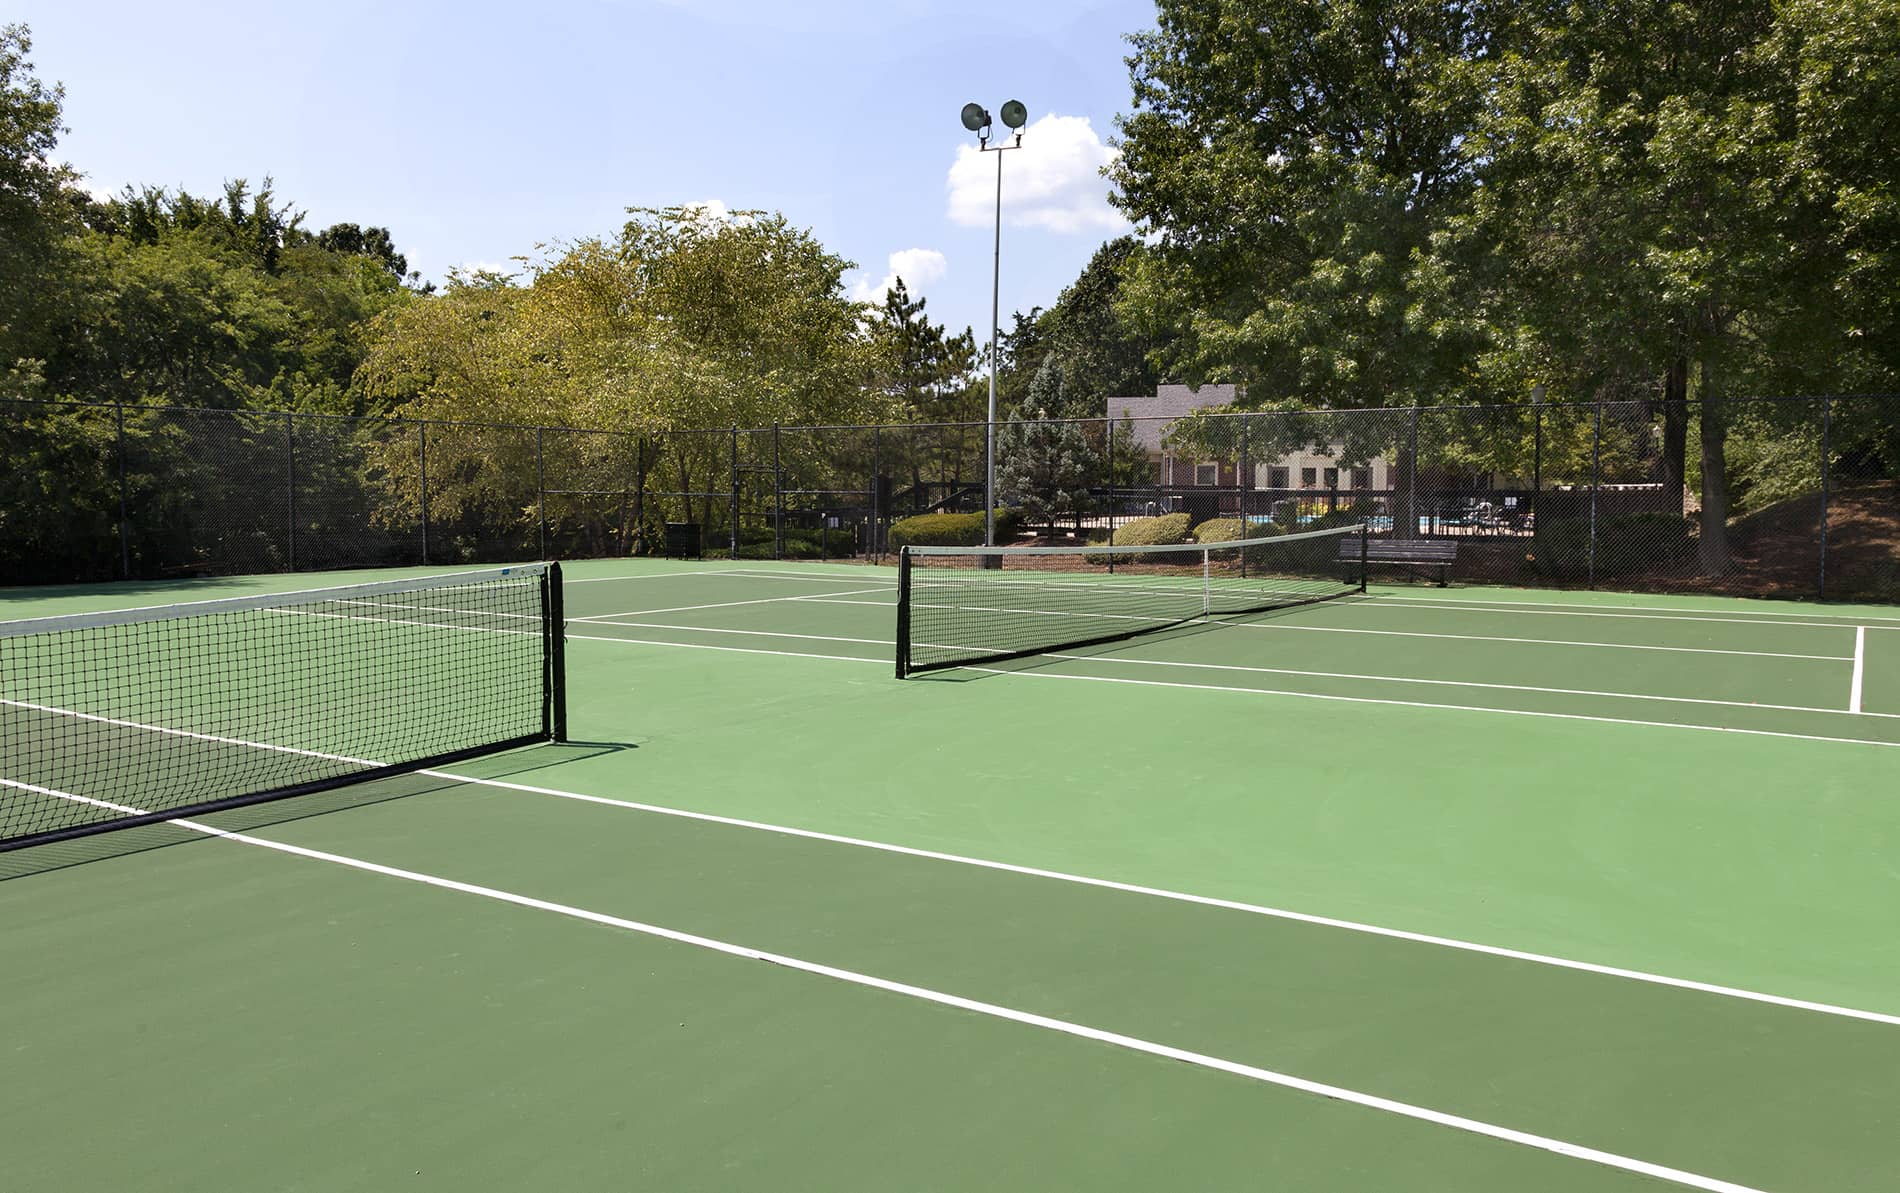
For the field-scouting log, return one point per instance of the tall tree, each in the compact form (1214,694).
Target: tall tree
(36,213)
(1292,158)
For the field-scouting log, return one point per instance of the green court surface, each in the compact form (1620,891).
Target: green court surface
(1473,890)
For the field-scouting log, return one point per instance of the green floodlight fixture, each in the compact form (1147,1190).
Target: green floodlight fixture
(975,118)
(1014,114)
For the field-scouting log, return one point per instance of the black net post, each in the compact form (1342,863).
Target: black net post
(554,626)
(903,611)
(1365,542)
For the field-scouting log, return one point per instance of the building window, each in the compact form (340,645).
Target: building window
(1207,474)
(1309,477)
(1332,478)
(1362,478)
(1277,478)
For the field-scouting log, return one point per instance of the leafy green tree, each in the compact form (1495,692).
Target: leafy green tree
(1103,354)
(36,212)
(1044,467)
(1293,158)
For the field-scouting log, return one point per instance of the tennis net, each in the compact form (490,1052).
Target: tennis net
(110,720)
(962,605)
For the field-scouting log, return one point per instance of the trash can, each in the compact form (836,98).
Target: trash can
(682,540)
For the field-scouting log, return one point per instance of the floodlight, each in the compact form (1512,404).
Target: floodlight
(975,118)
(1014,114)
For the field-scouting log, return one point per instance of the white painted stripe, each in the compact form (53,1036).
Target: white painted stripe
(977,1006)
(1479,708)
(1860,668)
(187,733)
(719,605)
(1130,888)
(1511,607)
(1122,660)
(1507,712)
(1290,627)
(1687,614)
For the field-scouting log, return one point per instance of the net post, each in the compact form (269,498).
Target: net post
(554,610)
(903,611)
(1365,539)
(1207,581)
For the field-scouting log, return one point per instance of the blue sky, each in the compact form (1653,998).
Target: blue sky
(475,131)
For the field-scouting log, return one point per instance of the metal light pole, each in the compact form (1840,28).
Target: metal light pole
(977,120)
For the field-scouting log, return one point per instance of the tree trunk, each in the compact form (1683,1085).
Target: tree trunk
(1675,444)
(1713,545)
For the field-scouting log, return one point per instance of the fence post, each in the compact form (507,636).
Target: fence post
(290,483)
(1411,479)
(125,525)
(1241,480)
(778,500)
(423,430)
(1827,465)
(873,547)
(735,493)
(1596,483)
(541,490)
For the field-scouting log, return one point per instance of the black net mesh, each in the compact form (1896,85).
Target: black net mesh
(958,606)
(109,718)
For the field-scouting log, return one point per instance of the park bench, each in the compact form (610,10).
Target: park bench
(1410,553)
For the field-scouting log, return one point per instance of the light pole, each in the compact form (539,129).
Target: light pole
(977,119)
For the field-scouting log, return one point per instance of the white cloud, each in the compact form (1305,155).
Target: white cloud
(1054,181)
(918,267)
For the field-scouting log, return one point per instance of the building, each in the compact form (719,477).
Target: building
(1307,469)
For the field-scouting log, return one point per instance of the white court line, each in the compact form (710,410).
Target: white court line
(566,579)
(992,1010)
(1475,607)
(720,605)
(1860,667)
(1684,614)
(1320,629)
(1032,871)
(1481,708)
(1123,661)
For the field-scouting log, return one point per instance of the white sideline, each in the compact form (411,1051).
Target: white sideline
(1123,661)
(993,1010)
(1037,872)
(1681,613)
(1860,667)
(720,605)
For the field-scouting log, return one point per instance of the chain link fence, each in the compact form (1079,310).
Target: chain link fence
(1607,494)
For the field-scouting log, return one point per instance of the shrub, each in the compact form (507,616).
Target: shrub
(951,530)
(1220,530)
(1152,532)
(1626,543)
(758,542)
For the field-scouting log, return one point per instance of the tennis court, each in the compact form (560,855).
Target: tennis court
(1470,889)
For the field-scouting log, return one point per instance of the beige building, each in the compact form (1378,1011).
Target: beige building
(1308,469)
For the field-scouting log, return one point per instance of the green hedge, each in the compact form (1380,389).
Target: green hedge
(760,543)
(952,530)
(1152,532)
(1627,543)
(1220,530)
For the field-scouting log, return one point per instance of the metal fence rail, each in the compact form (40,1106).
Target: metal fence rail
(1606,494)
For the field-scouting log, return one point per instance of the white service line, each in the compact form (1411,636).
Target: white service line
(1860,668)
(1007,867)
(1479,708)
(722,605)
(1320,629)
(1066,1027)
(1119,660)
(1683,614)
(1474,607)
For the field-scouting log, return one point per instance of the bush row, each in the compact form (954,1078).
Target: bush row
(1625,543)
(1152,532)
(952,530)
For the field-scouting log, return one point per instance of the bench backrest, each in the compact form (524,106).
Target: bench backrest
(1408,550)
